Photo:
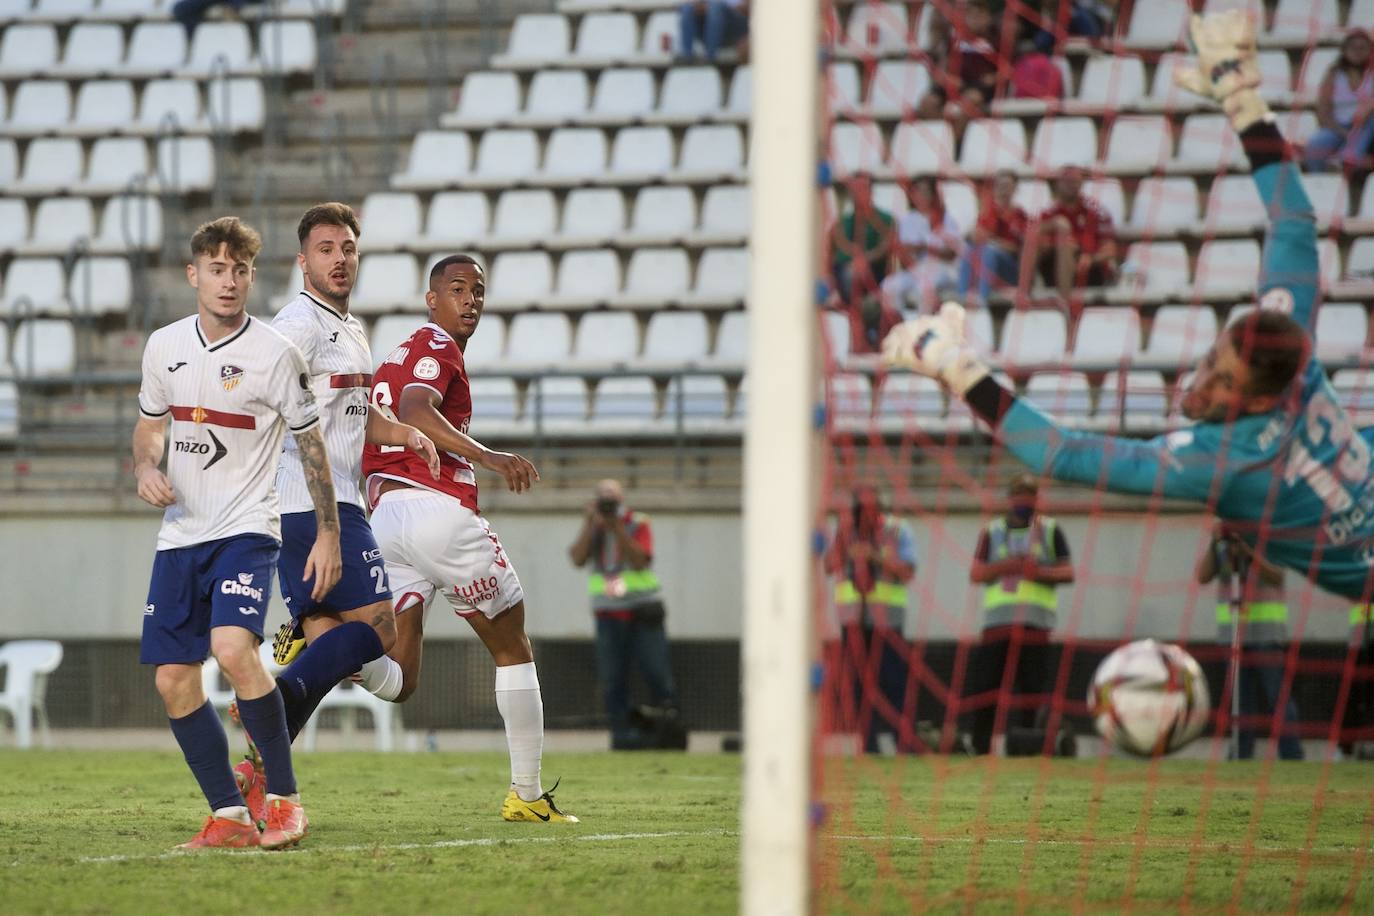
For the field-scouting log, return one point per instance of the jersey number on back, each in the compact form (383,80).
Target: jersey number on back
(382,401)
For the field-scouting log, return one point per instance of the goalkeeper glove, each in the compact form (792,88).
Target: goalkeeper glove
(934,346)
(1226,70)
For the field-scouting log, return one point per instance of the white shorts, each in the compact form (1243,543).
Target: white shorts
(433,543)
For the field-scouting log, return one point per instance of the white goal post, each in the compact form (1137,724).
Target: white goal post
(781,458)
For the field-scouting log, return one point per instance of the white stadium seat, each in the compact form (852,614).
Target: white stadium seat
(389,220)
(722,279)
(1276,76)
(1208,141)
(101,286)
(1064,141)
(102,107)
(1180,335)
(1112,83)
(585,279)
(701,401)
(1165,94)
(856,148)
(44,348)
(732,342)
(219,48)
(689,94)
(640,154)
(661,216)
(1030,337)
(1355,388)
(522,220)
(9,160)
(555,97)
(1107,335)
(655,278)
(1234,204)
(605,338)
(1135,400)
(169,104)
(1158,25)
(1109,196)
(605,37)
(538,340)
(536,40)
(625,403)
(91,48)
(485,348)
(711,153)
(1341,331)
(1066,396)
(574,155)
(486,99)
(519,280)
(840,87)
(50,165)
(386,282)
(1032,196)
(455,219)
(922,147)
(896,87)
(27,50)
(1161,267)
(60,223)
(557,403)
(877,28)
(35,286)
(235,105)
(185,164)
(129,223)
(495,407)
(660,37)
(14,231)
(591,216)
(127,10)
(1138,145)
(724,216)
(437,158)
(1330,197)
(1162,206)
(907,401)
(61,10)
(1315,64)
(505,156)
(739,101)
(674,339)
(1227,268)
(991,144)
(155,49)
(287,47)
(1303,22)
(849,399)
(38,107)
(622,95)
(390,331)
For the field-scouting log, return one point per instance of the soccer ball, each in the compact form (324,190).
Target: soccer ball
(1149,698)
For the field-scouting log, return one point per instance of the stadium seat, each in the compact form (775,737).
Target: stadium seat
(390,220)
(661,216)
(605,339)
(438,158)
(659,39)
(990,144)
(624,404)
(978,330)
(90,49)
(1138,145)
(169,103)
(522,219)
(1065,396)
(1206,142)
(129,223)
(1355,389)
(102,107)
(1301,23)
(44,348)
(701,403)
(1109,196)
(908,403)
(486,100)
(61,10)
(1106,336)
(585,279)
(1276,77)
(519,280)
(640,154)
(896,87)
(655,278)
(1111,83)
(1159,25)
(840,88)
(59,224)
(1328,263)
(455,219)
(184,164)
(732,342)
(556,97)
(1165,94)
(591,217)
(1233,205)
(219,48)
(922,148)
(386,282)
(603,38)
(496,408)
(622,96)
(557,403)
(14,232)
(1227,268)
(101,286)
(9,396)
(724,216)
(38,107)
(574,155)
(835,334)
(1031,337)
(1033,196)
(505,157)
(1180,335)
(484,349)
(856,148)
(711,154)
(27,664)
(722,279)
(1136,401)
(849,402)
(50,165)
(286,47)
(1330,198)
(1341,331)
(536,40)
(539,340)
(127,10)
(739,101)
(1315,63)
(674,339)
(1163,206)
(9,160)
(235,105)
(155,49)
(389,331)
(689,95)
(877,29)
(27,50)
(1064,141)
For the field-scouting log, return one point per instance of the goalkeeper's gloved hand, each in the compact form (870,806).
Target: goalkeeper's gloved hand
(1226,70)
(934,345)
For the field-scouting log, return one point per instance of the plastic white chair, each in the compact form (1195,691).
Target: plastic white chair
(455,219)
(523,218)
(235,105)
(1234,203)
(724,216)
(185,164)
(58,223)
(536,40)
(27,50)
(519,280)
(605,37)
(174,102)
(1162,206)
(896,87)
(711,153)
(487,98)
(155,48)
(14,232)
(392,219)
(219,47)
(40,282)
(1064,141)
(504,156)
(622,95)
(722,279)
(991,144)
(1208,143)
(879,29)
(437,158)
(39,106)
(539,339)
(27,664)
(641,154)
(351,697)
(386,282)
(1030,337)
(1227,267)
(1112,83)
(44,348)
(1106,335)
(586,279)
(556,97)
(128,223)
(922,147)
(605,338)
(1138,145)
(287,47)
(655,278)
(689,94)
(856,148)
(661,216)
(114,162)
(591,216)
(1159,24)
(675,338)
(574,155)
(50,165)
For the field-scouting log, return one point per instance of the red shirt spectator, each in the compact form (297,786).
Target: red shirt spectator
(1091,224)
(1004,225)
(1081,238)
(1035,76)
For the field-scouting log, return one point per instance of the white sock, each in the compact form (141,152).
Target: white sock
(382,677)
(234,813)
(522,709)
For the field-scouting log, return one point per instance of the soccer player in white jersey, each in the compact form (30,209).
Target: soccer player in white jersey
(353,624)
(433,537)
(231,387)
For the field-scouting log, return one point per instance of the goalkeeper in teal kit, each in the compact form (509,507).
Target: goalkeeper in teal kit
(1272,451)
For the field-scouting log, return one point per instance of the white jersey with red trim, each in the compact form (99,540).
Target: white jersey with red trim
(231,403)
(340,366)
(430,358)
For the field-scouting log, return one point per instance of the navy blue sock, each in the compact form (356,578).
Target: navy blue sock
(330,658)
(206,749)
(265,721)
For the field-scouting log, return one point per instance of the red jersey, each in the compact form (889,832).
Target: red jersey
(431,359)
(1007,226)
(1092,224)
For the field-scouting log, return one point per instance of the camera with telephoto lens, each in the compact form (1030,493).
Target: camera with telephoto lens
(607,506)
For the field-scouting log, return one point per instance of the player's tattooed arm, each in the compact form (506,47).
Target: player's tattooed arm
(324,564)
(148,443)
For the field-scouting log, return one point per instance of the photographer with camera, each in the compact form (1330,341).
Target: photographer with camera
(619,546)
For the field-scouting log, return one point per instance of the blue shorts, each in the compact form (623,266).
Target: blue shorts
(363,580)
(223,583)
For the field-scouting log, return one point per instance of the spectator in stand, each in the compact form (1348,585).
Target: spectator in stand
(929,242)
(995,252)
(1090,19)
(932,105)
(190,12)
(1345,101)
(970,58)
(1081,240)
(1034,74)
(861,243)
(715,24)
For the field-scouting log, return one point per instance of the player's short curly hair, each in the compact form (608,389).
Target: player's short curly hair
(1274,346)
(328,214)
(230,232)
(437,271)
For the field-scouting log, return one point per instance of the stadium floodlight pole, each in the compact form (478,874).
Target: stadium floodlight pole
(781,455)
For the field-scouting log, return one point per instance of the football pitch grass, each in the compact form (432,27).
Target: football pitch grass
(89,832)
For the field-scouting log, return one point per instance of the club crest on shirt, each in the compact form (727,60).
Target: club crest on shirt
(229,377)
